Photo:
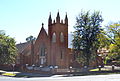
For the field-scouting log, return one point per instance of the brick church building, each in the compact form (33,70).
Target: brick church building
(49,49)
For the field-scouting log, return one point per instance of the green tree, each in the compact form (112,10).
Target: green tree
(30,38)
(113,33)
(85,41)
(104,41)
(7,49)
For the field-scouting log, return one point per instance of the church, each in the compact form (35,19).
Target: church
(49,50)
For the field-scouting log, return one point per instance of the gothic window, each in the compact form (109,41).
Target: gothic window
(61,37)
(54,38)
(42,50)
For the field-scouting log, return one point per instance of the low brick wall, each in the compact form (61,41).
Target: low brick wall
(6,67)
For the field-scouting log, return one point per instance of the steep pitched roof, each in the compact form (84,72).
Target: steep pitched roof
(42,31)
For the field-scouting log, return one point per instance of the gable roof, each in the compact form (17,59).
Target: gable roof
(22,46)
(42,31)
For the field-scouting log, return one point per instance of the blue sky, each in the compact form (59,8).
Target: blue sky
(22,18)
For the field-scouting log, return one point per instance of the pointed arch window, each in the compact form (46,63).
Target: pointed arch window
(42,55)
(61,37)
(43,50)
(54,37)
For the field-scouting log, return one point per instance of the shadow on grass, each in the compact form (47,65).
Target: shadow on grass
(96,73)
(30,75)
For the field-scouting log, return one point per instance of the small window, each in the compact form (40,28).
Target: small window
(54,38)
(61,37)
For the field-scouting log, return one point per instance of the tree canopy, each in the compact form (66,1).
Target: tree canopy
(7,49)
(30,38)
(85,37)
(113,33)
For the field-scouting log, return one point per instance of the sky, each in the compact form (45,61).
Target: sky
(22,18)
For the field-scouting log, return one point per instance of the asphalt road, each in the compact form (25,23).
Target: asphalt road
(112,77)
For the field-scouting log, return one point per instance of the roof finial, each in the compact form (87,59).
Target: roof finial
(42,24)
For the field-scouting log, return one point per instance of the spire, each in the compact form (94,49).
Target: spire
(50,19)
(58,14)
(66,19)
(66,16)
(50,16)
(58,18)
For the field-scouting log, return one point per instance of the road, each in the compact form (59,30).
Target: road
(112,77)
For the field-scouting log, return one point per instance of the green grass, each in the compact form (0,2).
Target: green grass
(94,69)
(9,74)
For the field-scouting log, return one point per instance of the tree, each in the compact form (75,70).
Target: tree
(7,49)
(85,41)
(30,38)
(104,41)
(2,32)
(113,33)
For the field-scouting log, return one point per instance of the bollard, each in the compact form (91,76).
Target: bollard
(113,67)
(99,68)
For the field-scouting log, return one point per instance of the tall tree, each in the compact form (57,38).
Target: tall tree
(85,41)
(7,49)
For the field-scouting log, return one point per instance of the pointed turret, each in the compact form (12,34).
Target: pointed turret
(58,18)
(66,19)
(50,19)
(49,24)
